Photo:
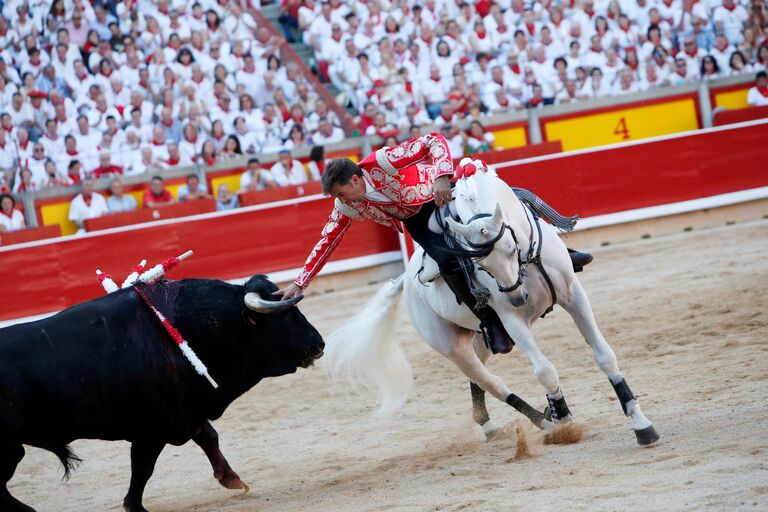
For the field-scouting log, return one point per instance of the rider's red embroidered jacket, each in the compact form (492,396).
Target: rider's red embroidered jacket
(403,175)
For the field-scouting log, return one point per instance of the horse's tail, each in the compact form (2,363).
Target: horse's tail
(365,350)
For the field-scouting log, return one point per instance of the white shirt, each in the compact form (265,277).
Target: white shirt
(79,211)
(285,177)
(12,223)
(755,99)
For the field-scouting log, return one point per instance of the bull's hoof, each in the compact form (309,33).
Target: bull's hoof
(647,436)
(134,508)
(234,483)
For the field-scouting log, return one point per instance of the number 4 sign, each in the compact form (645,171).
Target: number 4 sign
(621,129)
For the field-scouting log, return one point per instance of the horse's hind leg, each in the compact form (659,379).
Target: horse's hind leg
(579,308)
(10,456)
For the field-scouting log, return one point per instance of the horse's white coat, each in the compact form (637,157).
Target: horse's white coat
(451,329)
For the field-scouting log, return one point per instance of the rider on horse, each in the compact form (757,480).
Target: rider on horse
(402,186)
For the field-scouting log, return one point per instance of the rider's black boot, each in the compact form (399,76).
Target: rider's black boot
(495,335)
(579,259)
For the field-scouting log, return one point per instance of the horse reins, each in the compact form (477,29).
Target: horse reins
(483,249)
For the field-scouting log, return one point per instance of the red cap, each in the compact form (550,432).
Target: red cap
(37,94)
(377,83)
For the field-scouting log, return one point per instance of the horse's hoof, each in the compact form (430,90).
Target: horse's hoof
(490,429)
(647,436)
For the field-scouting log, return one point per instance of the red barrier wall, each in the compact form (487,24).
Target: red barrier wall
(626,177)
(56,275)
(53,275)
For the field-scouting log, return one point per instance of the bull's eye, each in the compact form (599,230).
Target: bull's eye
(484,231)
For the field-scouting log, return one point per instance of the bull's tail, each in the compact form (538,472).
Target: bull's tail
(68,459)
(366,352)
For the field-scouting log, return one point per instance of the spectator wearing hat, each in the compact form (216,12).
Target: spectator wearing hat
(11,219)
(86,205)
(287,170)
(757,96)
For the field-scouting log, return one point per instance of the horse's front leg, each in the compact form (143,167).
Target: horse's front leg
(543,368)
(464,356)
(579,308)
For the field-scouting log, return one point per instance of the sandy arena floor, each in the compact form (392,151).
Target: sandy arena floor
(685,314)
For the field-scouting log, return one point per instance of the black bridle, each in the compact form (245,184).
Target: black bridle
(487,247)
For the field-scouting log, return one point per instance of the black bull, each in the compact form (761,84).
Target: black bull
(107,369)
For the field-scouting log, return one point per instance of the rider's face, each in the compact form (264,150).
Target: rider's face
(353,190)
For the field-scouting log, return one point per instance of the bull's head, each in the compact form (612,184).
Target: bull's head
(288,335)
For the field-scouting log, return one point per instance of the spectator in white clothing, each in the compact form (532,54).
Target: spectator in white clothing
(255,177)
(11,219)
(288,171)
(757,96)
(86,205)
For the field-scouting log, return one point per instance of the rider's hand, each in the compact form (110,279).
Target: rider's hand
(289,292)
(442,190)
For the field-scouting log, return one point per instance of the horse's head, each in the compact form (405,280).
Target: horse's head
(493,245)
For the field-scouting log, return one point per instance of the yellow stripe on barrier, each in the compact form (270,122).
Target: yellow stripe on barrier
(510,138)
(58,213)
(732,100)
(622,125)
(231,180)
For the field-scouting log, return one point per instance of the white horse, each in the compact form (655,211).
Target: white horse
(503,236)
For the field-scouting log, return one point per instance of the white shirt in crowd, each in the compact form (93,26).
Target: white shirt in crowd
(296,175)
(79,210)
(12,223)
(755,98)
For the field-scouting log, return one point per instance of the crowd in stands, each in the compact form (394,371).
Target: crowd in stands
(406,62)
(138,86)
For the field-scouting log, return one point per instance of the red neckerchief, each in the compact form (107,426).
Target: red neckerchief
(536,101)
(531,28)
(210,161)
(731,9)
(191,141)
(8,129)
(479,35)
(504,102)
(87,200)
(35,62)
(409,87)
(634,66)
(72,153)
(173,161)
(501,29)
(763,90)
(515,69)
(7,215)
(25,145)
(681,74)
(166,123)
(589,12)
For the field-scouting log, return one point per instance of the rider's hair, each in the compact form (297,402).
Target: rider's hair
(338,172)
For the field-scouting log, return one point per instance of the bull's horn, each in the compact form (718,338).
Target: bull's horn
(255,303)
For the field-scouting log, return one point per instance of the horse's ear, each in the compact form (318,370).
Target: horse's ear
(498,215)
(457,227)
